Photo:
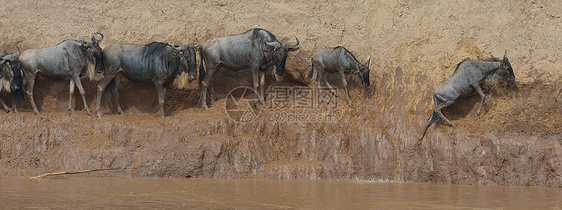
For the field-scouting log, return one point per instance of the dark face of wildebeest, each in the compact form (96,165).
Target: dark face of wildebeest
(506,71)
(364,76)
(187,54)
(280,56)
(96,50)
(11,65)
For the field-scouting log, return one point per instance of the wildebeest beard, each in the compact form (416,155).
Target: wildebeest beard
(280,58)
(99,62)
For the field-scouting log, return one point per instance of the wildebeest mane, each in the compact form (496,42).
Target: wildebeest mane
(260,41)
(155,52)
(459,64)
(68,40)
(341,47)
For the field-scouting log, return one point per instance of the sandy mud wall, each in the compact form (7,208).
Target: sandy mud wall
(516,141)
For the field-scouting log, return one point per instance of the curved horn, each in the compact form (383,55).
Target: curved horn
(275,45)
(98,40)
(18,53)
(83,43)
(289,45)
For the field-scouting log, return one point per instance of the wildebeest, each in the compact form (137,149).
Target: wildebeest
(155,62)
(338,60)
(10,78)
(70,58)
(467,78)
(255,49)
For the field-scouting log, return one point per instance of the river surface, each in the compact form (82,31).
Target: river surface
(162,193)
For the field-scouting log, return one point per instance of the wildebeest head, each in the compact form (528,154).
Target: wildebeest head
(280,53)
(506,71)
(363,73)
(11,74)
(96,50)
(188,60)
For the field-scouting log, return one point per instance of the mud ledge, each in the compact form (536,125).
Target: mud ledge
(371,141)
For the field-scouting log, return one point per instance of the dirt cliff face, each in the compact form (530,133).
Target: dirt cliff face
(413,46)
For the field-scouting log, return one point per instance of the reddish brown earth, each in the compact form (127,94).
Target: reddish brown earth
(413,45)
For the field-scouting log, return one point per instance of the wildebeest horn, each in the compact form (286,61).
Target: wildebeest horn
(276,45)
(505,54)
(289,45)
(182,48)
(97,40)
(18,53)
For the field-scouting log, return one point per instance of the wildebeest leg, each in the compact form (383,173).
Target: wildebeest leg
(29,91)
(205,84)
(332,90)
(115,94)
(101,87)
(262,86)
(319,86)
(76,79)
(15,97)
(5,106)
(160,90)
(70,96)
(430,120)
(485,88)
(342,74)
(255,75)
(482,96)
(440,106)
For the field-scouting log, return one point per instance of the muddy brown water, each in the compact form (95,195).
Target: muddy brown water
(127,192)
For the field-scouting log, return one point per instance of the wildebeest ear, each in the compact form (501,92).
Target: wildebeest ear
(368,62)
(4,53)
(93,39)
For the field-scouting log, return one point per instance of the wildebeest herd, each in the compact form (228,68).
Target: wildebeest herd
(256,49)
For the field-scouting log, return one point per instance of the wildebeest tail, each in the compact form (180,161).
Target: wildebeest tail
(311,73)
(111,90)
(430,120)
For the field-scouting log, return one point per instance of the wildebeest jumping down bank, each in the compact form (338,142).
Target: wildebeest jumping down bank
(255,49)
(11,78)
(338,60)
(70,58)
(155,62)
(466,79)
